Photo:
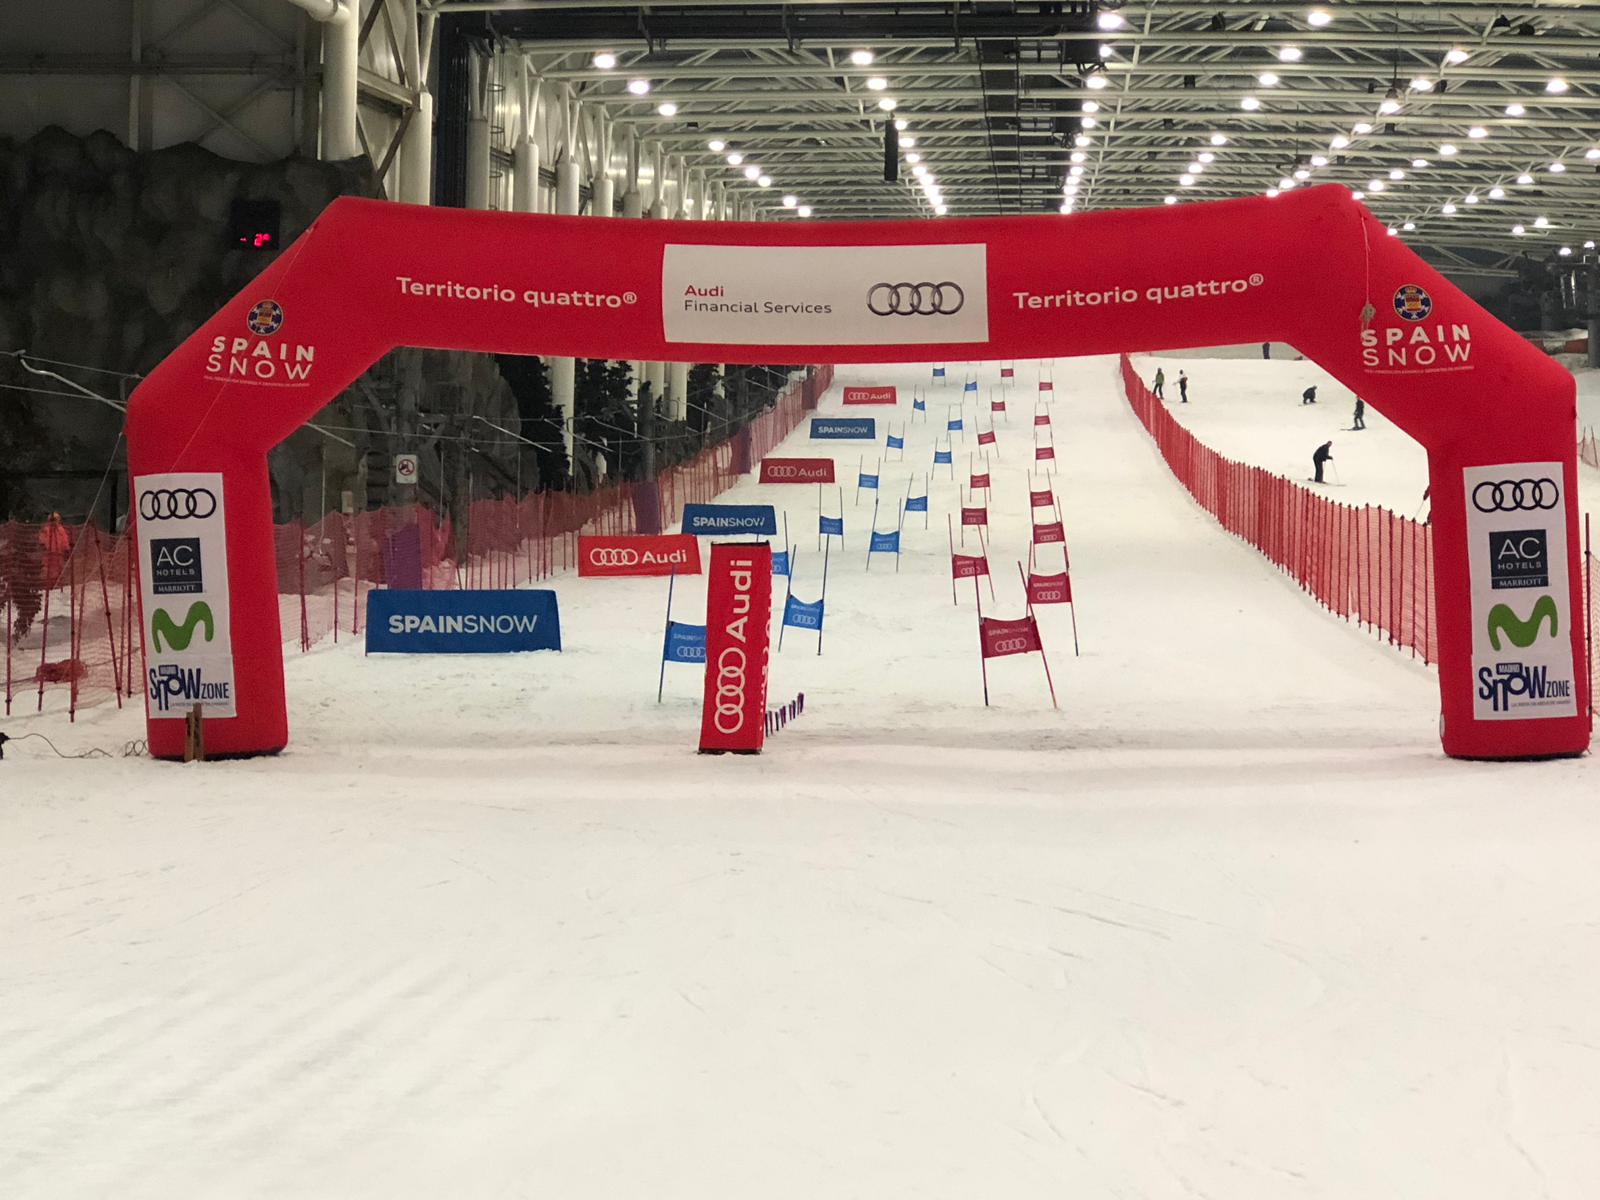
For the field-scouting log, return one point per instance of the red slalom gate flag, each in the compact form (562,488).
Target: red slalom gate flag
(1041,418)
(975,516)
(642,554)
(1044,454)
(1047,385)
(1001,638)
(986,437)
(1048,533)
(1050,589)
(738,613)
(965,566)
(1044,499)
(869,395)
(997,406)
(980,481)
(1008,372)
(797,470)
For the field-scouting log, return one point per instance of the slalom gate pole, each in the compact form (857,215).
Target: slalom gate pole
(786,545)
(824,600)
(899,528)
(1050,683)
(951,532)
(787,592)
(860,462)
(841,515)
(819,518)
(961,502)
(983,544)
(871,533)
(909,478)
(983,659)
(926,477)
(666,635)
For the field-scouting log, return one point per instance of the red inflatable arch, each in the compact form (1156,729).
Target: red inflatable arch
(1311,268)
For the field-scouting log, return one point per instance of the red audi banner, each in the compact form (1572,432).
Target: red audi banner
(975,516)
(738,611)
(1050,589)
(1044,453)
(986,437)
(980,481)
(797,470)
(1048,533)
(1044,499)
(869,395)
(965,566)
(1001,638)
(1041,418)
(642,554)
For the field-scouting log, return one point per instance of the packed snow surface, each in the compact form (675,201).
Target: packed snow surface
(1225,925)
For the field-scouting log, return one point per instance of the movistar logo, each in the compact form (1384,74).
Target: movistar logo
(179,636)
(1522,634)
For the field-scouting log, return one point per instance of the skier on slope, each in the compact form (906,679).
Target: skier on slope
(1323,455)
(1183,387)
(1309,396)
(1161,379)
(1360,421)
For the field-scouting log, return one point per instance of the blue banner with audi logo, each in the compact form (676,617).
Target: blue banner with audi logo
(462,622)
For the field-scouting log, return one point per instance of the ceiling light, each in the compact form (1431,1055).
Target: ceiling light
(1421,84)
(1409,226)
(1319,160)
(1105,51)
(1471,197)
(1477,131)
(1361,127)
(1556,86)
(1541,222)
(1397,174)
(888,104)
(1218,139)
(1089,122)
(716,145)
(1272,193)
(1497,193)
(1066,207)
(1389,105)
(1169,199)
(1302,174)
(1419,164)
(1082,140)
(1090,106)
(1096,82)
(913,158)
(1375,185)
(639,87)
(1185,180)
(1448,210)
(919,170)
(1518,230)
(1290,54)
(1074,171)
(764,181)
(876,83)
(1318,18)
(907,142)
(735,159)
(1592,153)
(1250,104)
(605,60)
(1393,232)
(791,201)
(752,171)
(1358,195)
(1109,21)
(940,210)
(1588,245)
(1455,56)
(1564,251)
(1515,110)
(1206,157)
(1446,150)
(1525,179)
(1285,184)
(861,58)
(1557,168)
(1267,79)
(804,210)
(1196,168)
(1339,141)
(667,108)
(1079,156)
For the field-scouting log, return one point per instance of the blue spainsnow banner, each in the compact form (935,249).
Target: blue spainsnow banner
(800,615)
(940,457)
(710,520)
(954,425)
(402,621)
(896,443)
(885,543)
(834,525)
(780,562)
(917,504)
(867,481)
(685,643)
(919,404)
(844,428)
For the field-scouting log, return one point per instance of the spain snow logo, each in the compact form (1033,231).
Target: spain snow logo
(266,318)
(1412,303)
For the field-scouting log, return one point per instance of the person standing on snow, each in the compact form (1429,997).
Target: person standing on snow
(1183,387)
(1161,379)
(1361,414)
(1323,455)
(1266,349)
(1309,396)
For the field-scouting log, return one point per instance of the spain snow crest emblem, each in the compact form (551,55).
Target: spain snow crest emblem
(1411,303)
(266,318)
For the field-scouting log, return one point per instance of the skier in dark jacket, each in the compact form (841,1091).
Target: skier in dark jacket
(1309,396)
(1183,388)
(1361,414)
(1266,349)
(1324,454)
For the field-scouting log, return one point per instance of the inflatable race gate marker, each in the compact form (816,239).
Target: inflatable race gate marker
(1312,268)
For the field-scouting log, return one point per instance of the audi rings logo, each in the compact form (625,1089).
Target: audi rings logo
(1516,495)
(729,716)
(177,504)
(265,318)
(915,299)
(1011,646)
(611,556)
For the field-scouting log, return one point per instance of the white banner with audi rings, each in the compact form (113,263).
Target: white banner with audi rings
(825,295)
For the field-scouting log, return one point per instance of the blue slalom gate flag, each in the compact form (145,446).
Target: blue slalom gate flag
(917,503)
(885,543)
(971,386)
(940,457)
(954,425)
(938,372)
(866,481)
(919,404)
(685,643)
(831,525)
(801,615)
(896,443)
(780,562)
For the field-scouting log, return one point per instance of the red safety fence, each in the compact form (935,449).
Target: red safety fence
(68,593)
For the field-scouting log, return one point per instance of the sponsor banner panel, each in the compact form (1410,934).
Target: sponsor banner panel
(844,429)
(685,643)
(797,470)
(869,395)
(1001,638)
(713,520)
(183,570)
(643,554)
(825,295)
(965,566)
(1049,589)
(461,622)
(738,609)
(1522,665)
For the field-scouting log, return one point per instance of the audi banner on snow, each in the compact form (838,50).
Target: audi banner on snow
(738,609)
(644,554)
(797,470)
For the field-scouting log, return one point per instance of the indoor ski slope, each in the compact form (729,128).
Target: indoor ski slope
(1226,925)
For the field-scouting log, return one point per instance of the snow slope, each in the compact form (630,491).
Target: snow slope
(1226,925)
